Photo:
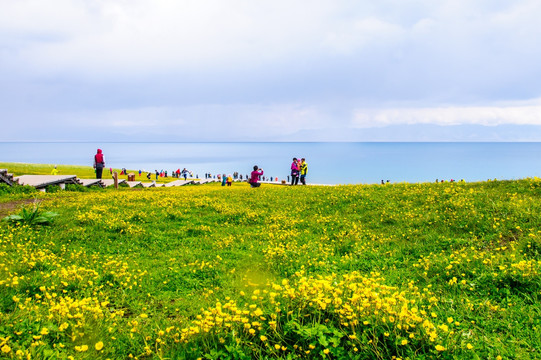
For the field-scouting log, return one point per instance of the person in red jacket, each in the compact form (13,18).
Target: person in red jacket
(254,177)
(99,163)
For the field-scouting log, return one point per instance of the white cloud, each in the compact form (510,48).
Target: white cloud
(143,35)
(209,121)
(116,35)
(520,114)
(361,33)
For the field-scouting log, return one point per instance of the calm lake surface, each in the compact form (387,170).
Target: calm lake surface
(328,163)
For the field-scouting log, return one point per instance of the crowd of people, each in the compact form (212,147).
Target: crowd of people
(299,169)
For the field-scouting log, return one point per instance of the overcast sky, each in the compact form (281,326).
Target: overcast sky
(215,70)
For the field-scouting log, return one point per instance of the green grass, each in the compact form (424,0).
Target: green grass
(415,271)
(82,172)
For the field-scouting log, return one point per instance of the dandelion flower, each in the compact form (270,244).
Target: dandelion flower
(440,348)
(6,349)
(469,346)
(81,348)
(99,345)
(263,338)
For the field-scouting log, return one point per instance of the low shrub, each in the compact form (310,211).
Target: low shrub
(16,189)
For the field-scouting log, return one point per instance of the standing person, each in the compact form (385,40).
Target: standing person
(185,174)
(254,177)
(99,163)
(304,170)
(224,180)
(229,180)
(54,171)
(294,172)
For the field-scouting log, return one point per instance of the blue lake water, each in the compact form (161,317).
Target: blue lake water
(329,163)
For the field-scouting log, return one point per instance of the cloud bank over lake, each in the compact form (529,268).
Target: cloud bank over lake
(273,71)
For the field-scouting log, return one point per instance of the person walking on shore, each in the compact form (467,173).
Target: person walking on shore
(99,163)
(304,170)
(254,177)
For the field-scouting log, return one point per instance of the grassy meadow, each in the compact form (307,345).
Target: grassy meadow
(401,271)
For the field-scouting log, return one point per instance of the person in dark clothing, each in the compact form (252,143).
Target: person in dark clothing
(99,163)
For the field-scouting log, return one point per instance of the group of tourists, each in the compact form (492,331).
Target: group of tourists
(299,168)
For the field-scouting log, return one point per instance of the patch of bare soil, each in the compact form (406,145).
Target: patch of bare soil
(8,208)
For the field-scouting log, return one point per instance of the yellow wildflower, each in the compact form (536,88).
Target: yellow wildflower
(99,345)
(81,348)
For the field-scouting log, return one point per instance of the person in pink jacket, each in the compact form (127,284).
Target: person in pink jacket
(295,172)
(254,177)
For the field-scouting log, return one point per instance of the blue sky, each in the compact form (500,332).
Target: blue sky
(173,70)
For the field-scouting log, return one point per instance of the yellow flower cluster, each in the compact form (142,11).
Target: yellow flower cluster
(358,305)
